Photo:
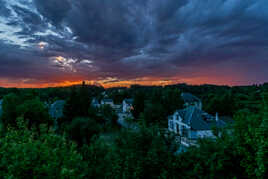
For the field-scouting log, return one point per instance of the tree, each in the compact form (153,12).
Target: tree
(262,151)
(155,114)
(140,155)
(222,103)
(262,136)
(97,155)
(34,113)
(77,105)
(9,107)
(81,130)
(244,134)
(172,100)
(107,115)
(24,155)
(138,104)
(210,160)
(71,107)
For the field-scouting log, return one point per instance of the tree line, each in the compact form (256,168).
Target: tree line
(31,146)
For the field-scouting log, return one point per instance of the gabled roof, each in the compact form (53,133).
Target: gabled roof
(198,119)
(129,101)
(188,97)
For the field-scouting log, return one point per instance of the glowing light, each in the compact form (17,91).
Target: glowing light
(60,58)
(66,64)
(42,45)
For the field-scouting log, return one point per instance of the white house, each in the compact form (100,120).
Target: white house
(127,105)
(192,123)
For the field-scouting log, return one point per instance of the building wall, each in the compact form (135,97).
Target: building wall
(176,126)
(205,134)
(107,103)
(126,107)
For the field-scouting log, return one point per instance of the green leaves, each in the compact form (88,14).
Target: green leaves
(33,111)
(81,130)
(23,155)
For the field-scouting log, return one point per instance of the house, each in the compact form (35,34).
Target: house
(127,105)
(56,109)
(191,100)
(107,102)
(192,123)
(95,103)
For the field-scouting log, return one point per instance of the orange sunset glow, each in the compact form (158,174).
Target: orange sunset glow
(127,83)
(128,42)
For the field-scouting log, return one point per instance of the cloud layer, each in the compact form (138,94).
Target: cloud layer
(210,41)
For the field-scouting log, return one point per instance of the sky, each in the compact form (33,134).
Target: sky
(122,42)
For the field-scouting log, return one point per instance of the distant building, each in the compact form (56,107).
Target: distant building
(127,105)
(95,103)
(191,100)
(107,102)
(192,123)
(56,109)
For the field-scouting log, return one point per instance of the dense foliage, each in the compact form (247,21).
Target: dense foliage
(89,143)
(23,154)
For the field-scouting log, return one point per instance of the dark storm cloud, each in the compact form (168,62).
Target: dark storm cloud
(30,22)
(4,11)
(54,11)
(134,38)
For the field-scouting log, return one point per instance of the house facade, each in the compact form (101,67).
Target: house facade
(56,109)
(127,105)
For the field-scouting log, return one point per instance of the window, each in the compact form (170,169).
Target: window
(171,126)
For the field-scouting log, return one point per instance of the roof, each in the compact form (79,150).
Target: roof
(188,97)
(198,119)
(129,101)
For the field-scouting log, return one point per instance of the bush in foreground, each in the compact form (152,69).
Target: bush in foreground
(23,154)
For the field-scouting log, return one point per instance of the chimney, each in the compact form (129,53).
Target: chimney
(217,117)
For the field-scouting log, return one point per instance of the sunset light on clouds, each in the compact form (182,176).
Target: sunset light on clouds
(124,42)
